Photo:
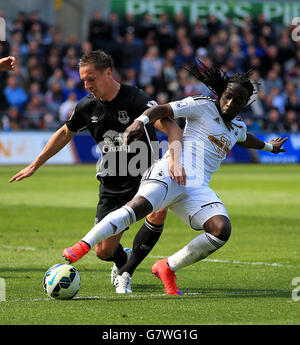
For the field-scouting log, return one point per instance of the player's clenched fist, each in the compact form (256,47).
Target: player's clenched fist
(133,132)
(7,64)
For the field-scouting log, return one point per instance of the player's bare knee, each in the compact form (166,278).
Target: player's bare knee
(219,226)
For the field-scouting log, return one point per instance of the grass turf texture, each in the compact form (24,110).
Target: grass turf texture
(248,281)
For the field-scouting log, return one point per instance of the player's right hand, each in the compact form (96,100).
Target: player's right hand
(133,132)
(26,172)
(7,63)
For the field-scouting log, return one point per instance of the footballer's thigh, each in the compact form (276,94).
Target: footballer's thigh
(202,209)
(154,195)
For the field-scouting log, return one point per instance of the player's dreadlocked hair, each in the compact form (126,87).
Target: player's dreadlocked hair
(217,80)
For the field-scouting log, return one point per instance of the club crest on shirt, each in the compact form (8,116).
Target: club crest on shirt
(123,117)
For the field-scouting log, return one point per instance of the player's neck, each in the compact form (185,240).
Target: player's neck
(113,91)
(217,104)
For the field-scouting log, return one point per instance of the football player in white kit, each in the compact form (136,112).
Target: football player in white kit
(212,128)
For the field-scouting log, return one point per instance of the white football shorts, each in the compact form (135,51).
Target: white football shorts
(193,205)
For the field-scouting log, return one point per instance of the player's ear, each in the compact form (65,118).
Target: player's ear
(108,72)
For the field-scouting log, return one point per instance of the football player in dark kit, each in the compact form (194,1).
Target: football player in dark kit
(106,112)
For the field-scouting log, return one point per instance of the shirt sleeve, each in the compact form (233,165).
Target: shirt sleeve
(142,102)
(76,122)
(243,134)
(187,107)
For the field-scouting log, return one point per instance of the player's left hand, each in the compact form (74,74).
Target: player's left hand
(133,132)
(177,172)
(7,64)
(277,143)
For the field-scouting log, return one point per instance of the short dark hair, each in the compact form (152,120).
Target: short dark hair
(99,58)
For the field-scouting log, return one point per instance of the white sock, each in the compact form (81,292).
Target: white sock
(198,249)
(114,223)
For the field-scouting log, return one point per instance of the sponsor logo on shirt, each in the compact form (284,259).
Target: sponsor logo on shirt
(113,142)
(222,145)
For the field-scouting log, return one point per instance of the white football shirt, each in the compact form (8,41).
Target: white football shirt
(206,138)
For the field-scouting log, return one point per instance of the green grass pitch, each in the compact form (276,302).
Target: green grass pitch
(248,281)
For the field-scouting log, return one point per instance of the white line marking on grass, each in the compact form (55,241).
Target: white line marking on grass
(222,261)
(18,247)
(136,296)
(273,264)
(266,292)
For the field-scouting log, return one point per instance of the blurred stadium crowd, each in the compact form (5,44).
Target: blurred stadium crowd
(45,87)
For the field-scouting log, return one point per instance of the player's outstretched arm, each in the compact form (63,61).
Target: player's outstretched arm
(7,64)
(58,140)
(274,146)
(136,129)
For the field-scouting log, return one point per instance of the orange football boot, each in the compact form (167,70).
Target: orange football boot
(76,252)
(162,271)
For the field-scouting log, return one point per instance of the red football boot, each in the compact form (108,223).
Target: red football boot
(76,252)
(162,271)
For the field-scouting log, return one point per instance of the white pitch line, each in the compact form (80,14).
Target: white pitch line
(19,247)
(222,261)
(273,264)
(130,296)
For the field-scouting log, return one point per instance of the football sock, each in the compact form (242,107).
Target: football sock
(114,223)
(143,243)
(120,256)
(198,249)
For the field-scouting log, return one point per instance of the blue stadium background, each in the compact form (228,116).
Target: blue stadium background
(150,42)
